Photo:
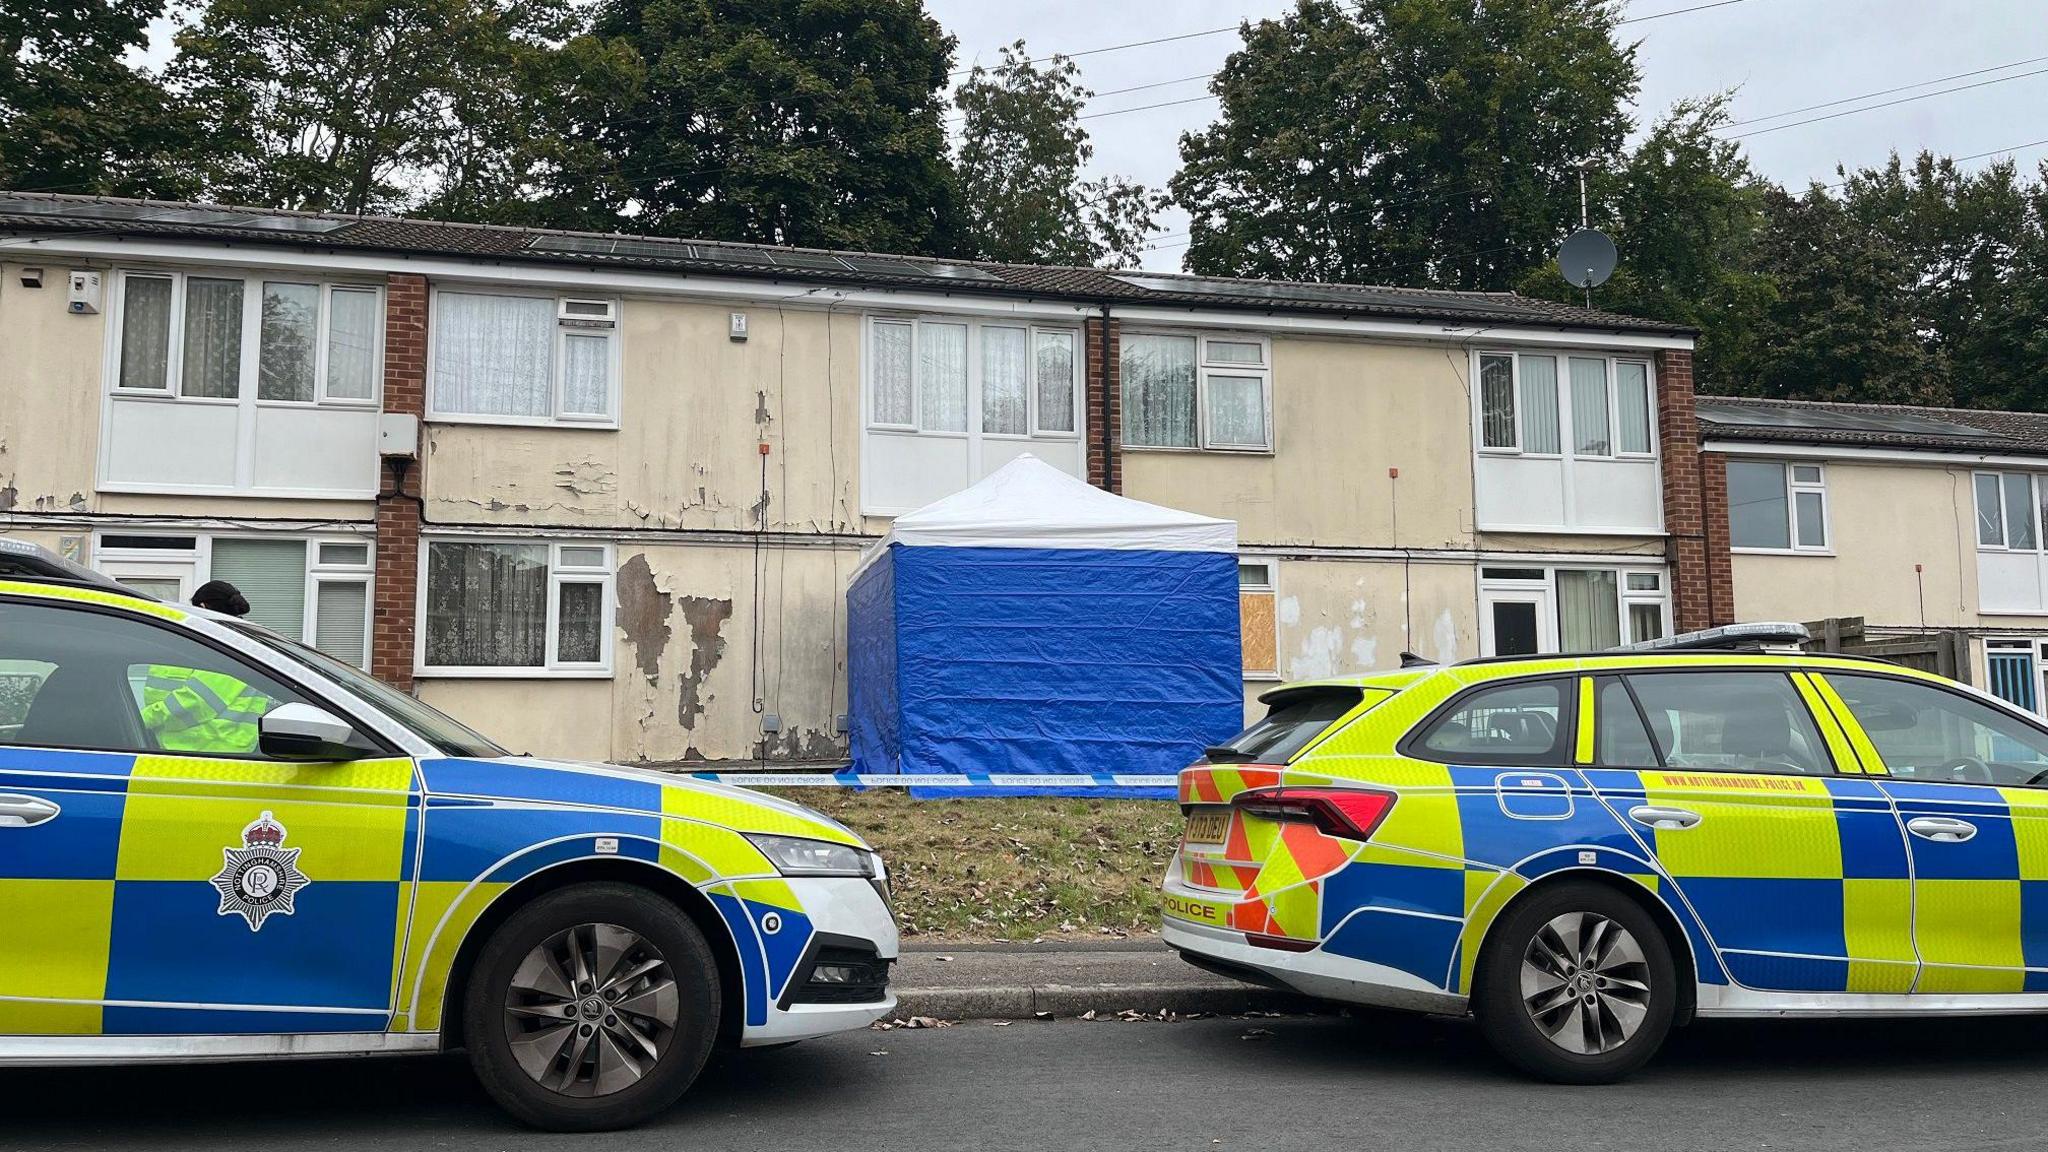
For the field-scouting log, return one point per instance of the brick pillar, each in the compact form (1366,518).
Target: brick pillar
(1700,588)
(1105,451)
(393,612)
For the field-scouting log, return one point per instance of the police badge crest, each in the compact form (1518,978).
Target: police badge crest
(261,877)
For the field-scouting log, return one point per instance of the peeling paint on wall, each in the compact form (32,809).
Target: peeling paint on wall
(705,617)
(1364,651)
(8,497)
(1446,638)
(643,615)
(1318,656)
(1290,611)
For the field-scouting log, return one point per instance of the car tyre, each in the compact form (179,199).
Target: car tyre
(1576,985)
(637,989)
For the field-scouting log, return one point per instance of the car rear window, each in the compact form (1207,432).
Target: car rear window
(1294,719)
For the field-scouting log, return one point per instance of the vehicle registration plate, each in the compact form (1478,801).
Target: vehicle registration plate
(1208,827)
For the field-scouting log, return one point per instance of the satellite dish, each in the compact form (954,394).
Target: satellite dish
(1587,258)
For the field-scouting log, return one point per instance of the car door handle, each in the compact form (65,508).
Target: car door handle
(1941,828)
(1655,817)
(23,811)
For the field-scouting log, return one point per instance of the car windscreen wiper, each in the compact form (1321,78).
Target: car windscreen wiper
(1225,754)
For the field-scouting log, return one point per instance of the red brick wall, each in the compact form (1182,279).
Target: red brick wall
(1105,468)
(1695,503)
(398,509)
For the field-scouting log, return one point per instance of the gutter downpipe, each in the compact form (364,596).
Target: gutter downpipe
(1109,461)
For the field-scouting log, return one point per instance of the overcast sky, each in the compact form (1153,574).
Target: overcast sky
(1780,54)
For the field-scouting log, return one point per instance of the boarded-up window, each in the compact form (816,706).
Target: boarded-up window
(1258,624)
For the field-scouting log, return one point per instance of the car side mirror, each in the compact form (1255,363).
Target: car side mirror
(304,732)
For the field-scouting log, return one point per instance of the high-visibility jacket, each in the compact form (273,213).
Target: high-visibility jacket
(194,710)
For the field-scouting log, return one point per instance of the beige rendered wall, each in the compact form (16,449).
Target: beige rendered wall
(50,365)
(1883,518)
(687,665)
(1344,411)
(696,406)
(1337,617)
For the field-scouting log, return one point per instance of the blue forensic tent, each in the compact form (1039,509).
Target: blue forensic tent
(1035,625)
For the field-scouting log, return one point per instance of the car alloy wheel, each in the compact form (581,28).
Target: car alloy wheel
(1585,983)
(590,1009)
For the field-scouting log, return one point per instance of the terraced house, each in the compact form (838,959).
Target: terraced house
(1924,525)
(600,495)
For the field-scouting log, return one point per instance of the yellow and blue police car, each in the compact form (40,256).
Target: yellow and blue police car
(219,844)
(1585,851)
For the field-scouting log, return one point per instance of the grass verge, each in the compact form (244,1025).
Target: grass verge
(1013,868)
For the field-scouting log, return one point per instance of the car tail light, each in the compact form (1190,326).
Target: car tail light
(1352,813)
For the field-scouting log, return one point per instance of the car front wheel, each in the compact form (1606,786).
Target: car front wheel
(1576,985)
(591,1008)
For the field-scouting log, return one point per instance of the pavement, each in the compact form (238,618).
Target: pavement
(1066,978)
(1300,1082)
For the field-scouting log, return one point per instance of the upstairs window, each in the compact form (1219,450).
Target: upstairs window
(1527,400)
(1023,378)
(1777,507)
(225,337)
(2007,519)
(1209,392)
(518,359)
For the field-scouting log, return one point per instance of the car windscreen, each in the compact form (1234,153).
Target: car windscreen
(1295,718)
(447,735)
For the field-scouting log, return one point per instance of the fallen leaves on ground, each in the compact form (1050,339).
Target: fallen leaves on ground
(912,1022)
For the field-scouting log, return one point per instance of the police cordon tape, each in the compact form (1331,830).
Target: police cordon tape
(964,781)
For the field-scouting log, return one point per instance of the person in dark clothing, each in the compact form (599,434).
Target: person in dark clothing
(221,596)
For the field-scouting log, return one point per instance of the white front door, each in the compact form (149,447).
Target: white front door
(1517,622)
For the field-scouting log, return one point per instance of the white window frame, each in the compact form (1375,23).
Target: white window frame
(252,338)
(1033,419)
(193,567)
(1552,628)
(1271,587)
(2004,543)
(604,575)
(1567,433)
(565,325)
(1205,368)
(1793,487)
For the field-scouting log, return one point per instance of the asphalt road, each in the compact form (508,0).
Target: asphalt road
(1304,1082)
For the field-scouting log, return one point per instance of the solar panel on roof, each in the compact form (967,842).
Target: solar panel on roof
(1831,420)
(160,214)
(1318,294)
(312,224)
(955,272)
(881,266)
(814,261)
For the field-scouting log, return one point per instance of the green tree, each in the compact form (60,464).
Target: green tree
(1429,142)
(1843,324)
(807,122)
(1961,236)
(75,116)
(346,105)
(1019,162)
(1685,212)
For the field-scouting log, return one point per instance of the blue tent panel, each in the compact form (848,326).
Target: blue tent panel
(1042,661)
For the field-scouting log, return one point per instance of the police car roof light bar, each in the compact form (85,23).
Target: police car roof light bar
(1780,635)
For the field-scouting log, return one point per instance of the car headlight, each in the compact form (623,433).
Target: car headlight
(797,856)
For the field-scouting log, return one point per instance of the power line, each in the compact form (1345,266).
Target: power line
(1885,92)
(1886,104)
(1136,44)
(1677,12)
(2006,150)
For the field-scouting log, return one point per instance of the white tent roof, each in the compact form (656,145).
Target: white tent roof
(1028,503)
